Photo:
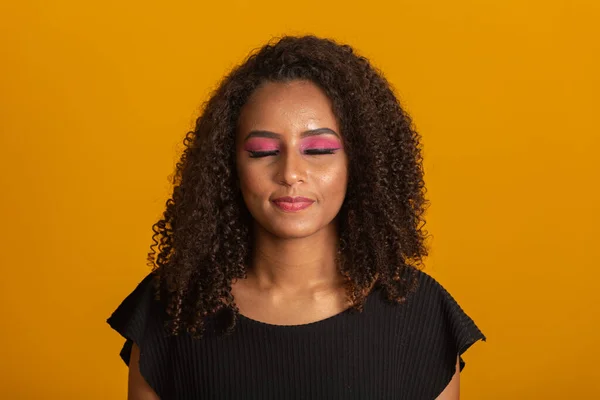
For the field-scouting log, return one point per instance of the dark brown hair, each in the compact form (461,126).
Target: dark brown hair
(204,240)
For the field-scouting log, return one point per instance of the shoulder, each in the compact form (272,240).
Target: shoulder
(431,309)
(139,319)
(435,332)
(136,306)
(429,292)
(142,293)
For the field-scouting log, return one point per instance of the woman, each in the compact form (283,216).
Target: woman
(288,256)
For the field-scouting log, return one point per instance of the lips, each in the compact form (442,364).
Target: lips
(292,204)
(297,199)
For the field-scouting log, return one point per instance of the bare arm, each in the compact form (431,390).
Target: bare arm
(452,391)
(138,388)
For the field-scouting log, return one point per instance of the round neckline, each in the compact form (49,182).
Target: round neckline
(308,324)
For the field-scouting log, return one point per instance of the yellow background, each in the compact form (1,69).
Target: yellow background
(95,98)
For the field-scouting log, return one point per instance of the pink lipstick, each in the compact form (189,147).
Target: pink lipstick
(292,204)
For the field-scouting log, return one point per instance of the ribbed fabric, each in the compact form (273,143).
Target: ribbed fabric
(405,351)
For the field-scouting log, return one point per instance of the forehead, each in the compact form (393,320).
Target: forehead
(287,108)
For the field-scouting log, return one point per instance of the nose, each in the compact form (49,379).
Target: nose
(291,168)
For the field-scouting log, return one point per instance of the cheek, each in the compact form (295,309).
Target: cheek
(253,182)
(333,179)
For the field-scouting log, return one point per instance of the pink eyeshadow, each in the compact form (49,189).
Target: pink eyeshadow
(320,143)
(259,144)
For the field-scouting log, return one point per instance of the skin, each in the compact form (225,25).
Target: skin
(137,387)
(293,278)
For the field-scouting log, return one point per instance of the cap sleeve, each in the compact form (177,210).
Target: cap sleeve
(138,319)
(440,331)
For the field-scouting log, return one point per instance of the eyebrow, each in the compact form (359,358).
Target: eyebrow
(273,135)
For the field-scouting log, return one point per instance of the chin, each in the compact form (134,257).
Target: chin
(291,233)
(292,230)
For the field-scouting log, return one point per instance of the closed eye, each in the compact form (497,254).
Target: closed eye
(319,151)
(259,154)
(312,152)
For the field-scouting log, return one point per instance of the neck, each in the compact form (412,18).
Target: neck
(295,265)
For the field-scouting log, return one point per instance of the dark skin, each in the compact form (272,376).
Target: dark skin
(293,278)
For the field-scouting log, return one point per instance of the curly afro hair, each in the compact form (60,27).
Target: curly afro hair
(203,242)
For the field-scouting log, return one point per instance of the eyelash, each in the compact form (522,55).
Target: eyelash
(312,152)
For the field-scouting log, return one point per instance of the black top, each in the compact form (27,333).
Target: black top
(405,351)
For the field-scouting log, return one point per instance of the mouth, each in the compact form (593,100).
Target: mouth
(292,204)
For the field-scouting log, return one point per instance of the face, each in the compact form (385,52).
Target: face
(291,162)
